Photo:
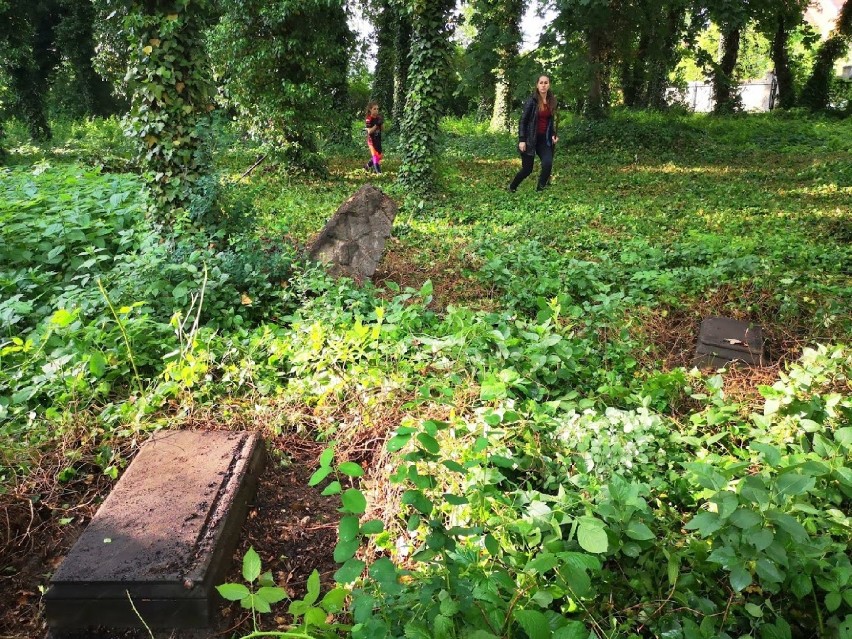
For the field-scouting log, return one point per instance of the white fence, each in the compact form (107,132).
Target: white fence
(756,96)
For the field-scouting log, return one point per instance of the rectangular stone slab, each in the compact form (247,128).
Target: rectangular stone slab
(165,535)
(722,341)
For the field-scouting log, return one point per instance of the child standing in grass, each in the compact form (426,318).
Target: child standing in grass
(374,121)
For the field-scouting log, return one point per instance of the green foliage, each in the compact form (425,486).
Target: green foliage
(168,79)
(267,594)
(284,68)
(553,476)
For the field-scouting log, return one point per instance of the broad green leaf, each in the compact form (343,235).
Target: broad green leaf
(261,605)
(794,484)
(833,601)
(398,442)
(353,501)
(343,550)
(335,599)
(770,453)
(233,592)
(383,570)
(638,531)
(768,571)
(251,565)
(418,500)
(753,610)
(591,535)
(97,364)
(572,630)
(801,585)
(761,539)
(315,617)
(534,624)
(333,488)
(313,589)
(372,527)
(745,518)
(271,594)
(542,563)
(349,571)
(788,524)
(706,523)
(740,578)
(351,469)
(347,529)
(320,474)
(492,545)
(429,443)
(326,457)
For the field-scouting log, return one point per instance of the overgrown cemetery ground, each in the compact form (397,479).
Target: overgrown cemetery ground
(542,340)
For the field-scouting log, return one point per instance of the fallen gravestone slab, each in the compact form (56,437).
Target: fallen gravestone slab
(353,240)
(723,341)
(163,538)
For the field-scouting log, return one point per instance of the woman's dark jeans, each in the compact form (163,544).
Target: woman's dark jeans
(545,154)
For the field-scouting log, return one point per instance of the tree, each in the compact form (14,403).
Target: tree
(283,68)
(495,51)
(384,19)
(431,32)
(168,78)
(402,58)
(731,16)
(653,53)
(90,93)
(605,27)
(28,31)
(816,91)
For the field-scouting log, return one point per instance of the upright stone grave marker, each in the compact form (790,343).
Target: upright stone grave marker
(353,240)
(163,538)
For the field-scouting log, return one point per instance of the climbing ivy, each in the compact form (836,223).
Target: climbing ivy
(168,78)
(431,30)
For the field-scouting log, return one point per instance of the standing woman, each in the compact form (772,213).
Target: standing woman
(537,134)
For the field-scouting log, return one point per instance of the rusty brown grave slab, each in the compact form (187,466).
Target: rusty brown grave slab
(164,537)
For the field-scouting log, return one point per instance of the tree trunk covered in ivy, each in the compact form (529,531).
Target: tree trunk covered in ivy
(815,94)
(426,91)
(385,25)
(169,83)
(402,59)
(724,90)
(781,61)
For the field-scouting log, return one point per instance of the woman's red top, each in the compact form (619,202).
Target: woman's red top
(543,117)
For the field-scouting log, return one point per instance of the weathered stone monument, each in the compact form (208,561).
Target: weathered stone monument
(163,538)
(723,341)
(353,240)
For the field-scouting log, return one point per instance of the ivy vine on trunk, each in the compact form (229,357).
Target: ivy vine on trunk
(426,84)
(168,78)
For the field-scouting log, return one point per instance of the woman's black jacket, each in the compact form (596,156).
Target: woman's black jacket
(528,127)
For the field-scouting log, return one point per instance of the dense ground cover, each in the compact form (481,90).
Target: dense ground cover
(516,384)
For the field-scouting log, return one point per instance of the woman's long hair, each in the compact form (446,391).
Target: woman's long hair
(370,106)
(549,98)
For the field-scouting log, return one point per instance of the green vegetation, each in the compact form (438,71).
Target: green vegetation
(551,466)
